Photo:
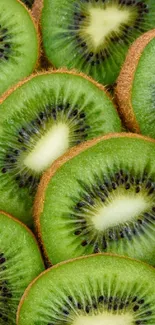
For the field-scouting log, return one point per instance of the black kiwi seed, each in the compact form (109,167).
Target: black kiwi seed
(84,243)
(79,306)
(136,307)
(104,243)
(96,248)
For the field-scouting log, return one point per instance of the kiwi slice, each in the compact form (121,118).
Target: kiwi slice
(19,46)
(95,290)
(135,89)
(39,121)
(20,263)
(99,197)
(93,35)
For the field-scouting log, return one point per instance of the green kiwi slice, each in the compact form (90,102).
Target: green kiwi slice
(95,290)
(39,121)
(20,263)
(135,89)
(19,45)
(93,35)
(100,197)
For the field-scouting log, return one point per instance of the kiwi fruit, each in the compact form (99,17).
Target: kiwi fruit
(135,90)
(93,36)
(40,120)
(94,290)
(19,43)
(20,263)
(99,197)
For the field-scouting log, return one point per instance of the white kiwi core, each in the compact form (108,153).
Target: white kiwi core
(105,319)
(102,22)
(52,145)
(120,209)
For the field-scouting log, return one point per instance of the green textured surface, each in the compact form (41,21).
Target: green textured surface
(23,263)
(60,47)
(25,104)
(143,91)
(23,41)
(57,225)
(83,280)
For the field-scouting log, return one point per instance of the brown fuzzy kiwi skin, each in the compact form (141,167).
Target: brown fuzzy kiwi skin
(36,12)
(37,9)
(123,91)
(74,151)
(24,226)
(72,261)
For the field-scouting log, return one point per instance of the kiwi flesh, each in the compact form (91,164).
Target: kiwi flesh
(135,90)
(99,197)
(94,290)
(93,36)
(20,263)
(19,44)
(39,121)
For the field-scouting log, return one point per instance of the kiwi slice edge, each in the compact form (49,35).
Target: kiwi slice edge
(15,58)
(35,22)
(131,265)
(18,246)
(50,173)
(56,71)
(123,90)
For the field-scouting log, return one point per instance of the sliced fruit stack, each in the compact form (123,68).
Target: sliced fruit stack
(84,187)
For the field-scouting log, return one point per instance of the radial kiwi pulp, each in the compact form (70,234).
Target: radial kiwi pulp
(20,263)
(95,290)
(39,121)
(135,89)
(93,36)
(100,198)
(18,43)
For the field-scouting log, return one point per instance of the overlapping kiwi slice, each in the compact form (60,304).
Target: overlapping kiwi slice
(20,263)
(100,198)
(94,290)
(39,121)
(93,35)
(135,89)
(18,43)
